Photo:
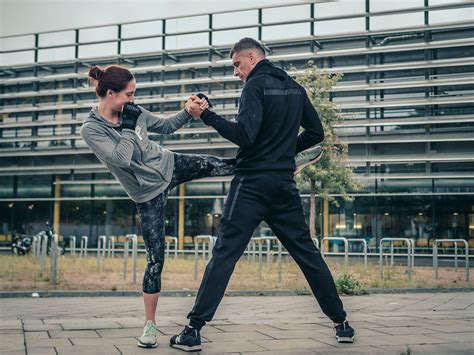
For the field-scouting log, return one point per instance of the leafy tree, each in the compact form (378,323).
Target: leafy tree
(331,174)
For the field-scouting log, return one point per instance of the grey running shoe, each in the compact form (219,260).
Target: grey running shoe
(148,338)
(308,157)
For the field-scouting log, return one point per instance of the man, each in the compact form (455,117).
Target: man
(272,108)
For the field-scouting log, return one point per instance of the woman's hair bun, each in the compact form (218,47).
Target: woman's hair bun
(96,73)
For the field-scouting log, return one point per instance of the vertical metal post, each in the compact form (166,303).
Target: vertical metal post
(83,251)
(101,246)
(44,247)
(111,247)
(72,245)
(279,260)
(54,259)
(119,38)
(391,253)
(195,258)
(260,259)
(455,256)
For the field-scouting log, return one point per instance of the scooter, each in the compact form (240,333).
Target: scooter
(21,244)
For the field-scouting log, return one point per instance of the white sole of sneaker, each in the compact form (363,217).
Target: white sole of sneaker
(302,166)
(188,349)
(345,339)
(149,346)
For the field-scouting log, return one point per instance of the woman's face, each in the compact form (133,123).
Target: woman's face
(118,99)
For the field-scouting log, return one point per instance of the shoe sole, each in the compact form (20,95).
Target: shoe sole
(189,349)
(345,339)
(148,346)
(313,161)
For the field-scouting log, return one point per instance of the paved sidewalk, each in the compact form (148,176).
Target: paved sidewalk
(429,323)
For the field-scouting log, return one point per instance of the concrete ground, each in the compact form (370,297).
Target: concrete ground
(417,323)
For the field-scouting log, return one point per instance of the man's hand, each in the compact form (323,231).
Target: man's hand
(130,114)
(196,106)
(202,96)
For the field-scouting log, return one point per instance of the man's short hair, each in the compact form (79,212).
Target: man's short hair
(246,43)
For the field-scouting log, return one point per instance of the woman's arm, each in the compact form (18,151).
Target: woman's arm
(119,154)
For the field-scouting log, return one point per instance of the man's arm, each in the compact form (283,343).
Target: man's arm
(313,129)
(243,131)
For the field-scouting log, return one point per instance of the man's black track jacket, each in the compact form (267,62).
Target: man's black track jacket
(272,108)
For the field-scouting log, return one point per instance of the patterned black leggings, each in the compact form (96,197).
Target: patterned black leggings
(187,167)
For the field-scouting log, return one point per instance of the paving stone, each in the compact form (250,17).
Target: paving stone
(42,327)
(218,337)
(105,349)
(36,335)
(428,323)
(47,343)
(235,346)
(118,333)
(288,344)
(63,334)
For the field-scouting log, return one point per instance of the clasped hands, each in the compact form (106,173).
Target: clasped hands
(197,104)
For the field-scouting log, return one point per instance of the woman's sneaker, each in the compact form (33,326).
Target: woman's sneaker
(344,332)
(148,338)
(188,340)
(308,157)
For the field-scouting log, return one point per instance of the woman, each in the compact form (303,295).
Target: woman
(116,131)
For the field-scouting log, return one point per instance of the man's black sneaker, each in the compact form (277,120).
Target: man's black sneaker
(344,332)
(188,340)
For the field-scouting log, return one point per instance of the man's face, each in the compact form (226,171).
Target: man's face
(243,62)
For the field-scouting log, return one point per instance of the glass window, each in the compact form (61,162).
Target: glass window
(34,186)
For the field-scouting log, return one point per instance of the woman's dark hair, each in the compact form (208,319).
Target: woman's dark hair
(113,77)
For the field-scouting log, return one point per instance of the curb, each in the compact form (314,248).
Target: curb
(186,293)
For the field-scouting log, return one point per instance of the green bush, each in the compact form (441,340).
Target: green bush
(347,285)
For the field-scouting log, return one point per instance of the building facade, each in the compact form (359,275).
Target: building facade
(406,96)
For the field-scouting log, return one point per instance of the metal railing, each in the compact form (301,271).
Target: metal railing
(83,250)
(168,241)
(72,245)
(204,240)
(364,243)
(410,254)
(455,242)
(111,247)
(54,253)
(346,247)
(44,250)
(101,249)
(134,239)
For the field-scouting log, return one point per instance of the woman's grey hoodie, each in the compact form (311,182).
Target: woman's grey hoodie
(143,167)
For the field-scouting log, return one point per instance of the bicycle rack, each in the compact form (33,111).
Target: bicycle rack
(72,245)
(54,259)
(455,241)
(364,243)
(346,249)
(83,250)
(134,239)
(101,241)
(209,239)
(44,251)
(168,244)
(268,241)
(410,253)
(111,247)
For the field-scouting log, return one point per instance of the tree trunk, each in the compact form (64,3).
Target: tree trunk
(312,209)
